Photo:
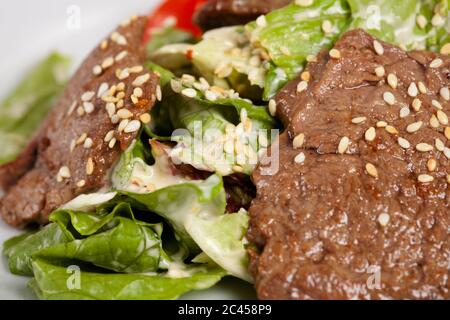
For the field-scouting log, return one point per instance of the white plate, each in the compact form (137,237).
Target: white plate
(29,30)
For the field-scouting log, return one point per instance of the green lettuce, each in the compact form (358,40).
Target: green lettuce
(294,32)
(25,108)
(51,282)
(213,135)
(19,250)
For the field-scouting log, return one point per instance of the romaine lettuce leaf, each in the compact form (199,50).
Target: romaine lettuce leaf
(24,109)
(292,33)
(51,281)
(115,241)
(223,135)
(19,250)
(167,35)
(393,21)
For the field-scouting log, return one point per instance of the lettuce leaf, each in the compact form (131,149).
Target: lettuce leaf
(116,241)
(224,135)
(296,30)
(19,250)
(25,108)
(51,283)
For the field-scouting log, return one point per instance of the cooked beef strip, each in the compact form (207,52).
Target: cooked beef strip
(221,13)
(73,136)
(321,228)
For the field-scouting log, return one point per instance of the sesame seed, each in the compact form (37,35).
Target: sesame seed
(110,109)
(123,124)
(436,63)
(381,124)
(383,219)
(134,99)
(412,90)
(71,108)
(112,143)
(359,120)
(327,26)
(145,118)
(80,111)
(81,139)
(311,58)
(447,152)
(88,143)
(298,141)
(136,69)
(210,95)
(300,158)
(421,21)
(378,48)
(124,114)
(447,132)
(404,143)
(108,62)
(432,165)
(189,92)
(414,127)
(306,76)
(261,21)
(284,50)
(132,126)
(445,49)
(392,80)
(370,134)
(335,54)
(380,72)
(73,143)
(424,147)
(272,107)
(88,107)
(187,79)
(89,166)
(102,89)
(158,93)
(115,119)
(445,93)
(97,70)
(138,92)
(391,130)
(304,3)
(59,178)
(81,183)
(343,145)
(64,172)
(436,104)
(422,88)
(302,85)
(120,104)
(404,112)
(442,117)
(448,178)
(425,178)
(372,170)
(122,74)
(120,95)
(104,44)
(434,122)
(121,86)
(121,55)
(389,98)
(109,136)
(416,104)
(87,96)
(440,146)
(176,85)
